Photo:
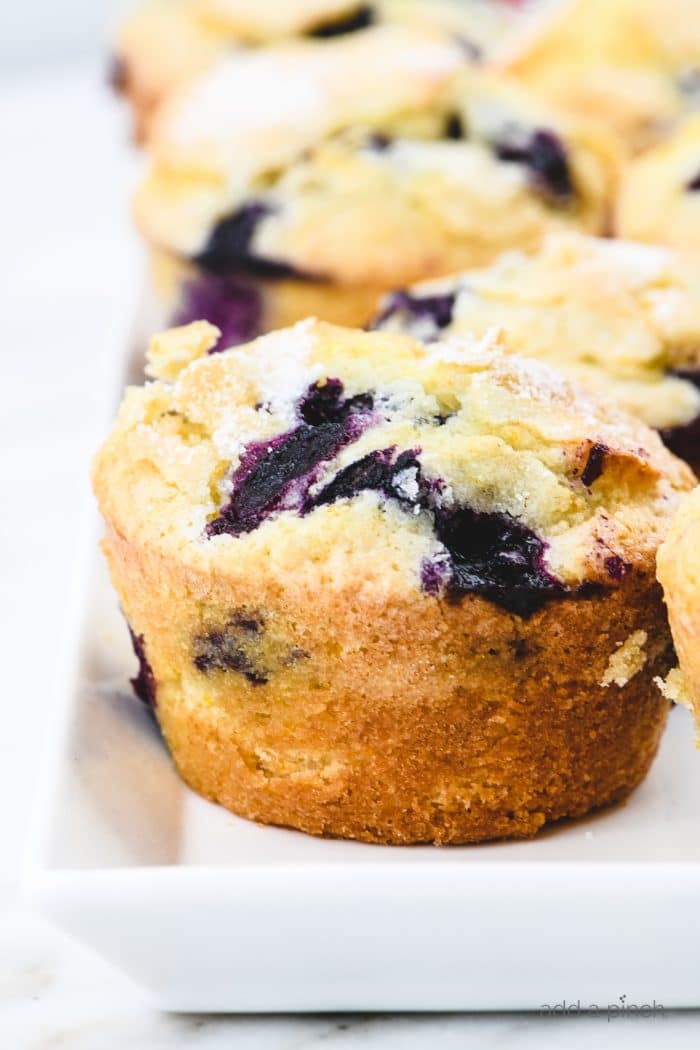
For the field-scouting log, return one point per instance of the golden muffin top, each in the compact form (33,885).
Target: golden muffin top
(370,459)
(275,159)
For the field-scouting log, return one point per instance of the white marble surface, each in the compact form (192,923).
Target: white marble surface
(68,261)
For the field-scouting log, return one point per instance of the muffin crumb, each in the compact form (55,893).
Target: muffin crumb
(627,660)
(675,688)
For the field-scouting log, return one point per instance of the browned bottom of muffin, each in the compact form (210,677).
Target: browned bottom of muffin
(396,797)
(417,721)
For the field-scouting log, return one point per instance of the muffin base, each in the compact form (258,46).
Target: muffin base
(409,719)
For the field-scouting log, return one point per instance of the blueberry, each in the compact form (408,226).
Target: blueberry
(594,464)
(454,127)
(684,440)
(144,684)
(379,471)
(437,310)
(322,403)
(229,248)
(234,307)
(693,184)
(276,475)
(378,141)
(496,556)
(691,375)
(361,18)
(545,155)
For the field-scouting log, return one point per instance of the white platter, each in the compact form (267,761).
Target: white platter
(212,913)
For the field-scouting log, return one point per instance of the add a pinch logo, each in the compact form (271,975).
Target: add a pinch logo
(611,1011)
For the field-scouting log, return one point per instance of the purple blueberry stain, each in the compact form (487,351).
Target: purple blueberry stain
(229,249)
(232,305)
(683,440)
(276,475)
(616,567)
(544,154)
(595,463)
(237,646)
(361,17)
(225,650)
(436,573)
(144,684)
(435,310)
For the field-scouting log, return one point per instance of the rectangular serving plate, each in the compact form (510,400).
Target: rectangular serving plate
(213,913)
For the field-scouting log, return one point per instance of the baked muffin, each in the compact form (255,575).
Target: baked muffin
(164,43)
(634,65)
(623,319)
(660,192)
(386,591)
(266,206)
(679,573)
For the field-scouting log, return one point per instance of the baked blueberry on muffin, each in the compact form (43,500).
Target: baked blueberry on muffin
(621,318)
(388,591)
(264,206)
(660,192)
(162,44)
(679,573)
(633,65)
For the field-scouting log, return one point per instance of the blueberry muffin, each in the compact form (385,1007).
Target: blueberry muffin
(660,193)
(264,206)
(164,43)
(621,318)
(388,591)
(634,65)
(679,573)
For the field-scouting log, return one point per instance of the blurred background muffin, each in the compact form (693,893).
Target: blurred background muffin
(660,192)
(632,65)
(620,318)
(164,43)
(277,189)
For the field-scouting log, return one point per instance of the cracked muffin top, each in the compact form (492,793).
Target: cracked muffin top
(341,458)
(619,317)
(660,192)
(633,65)
(274,164)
